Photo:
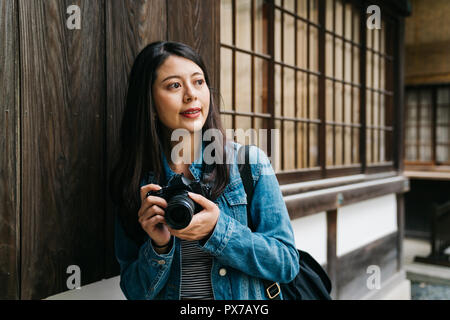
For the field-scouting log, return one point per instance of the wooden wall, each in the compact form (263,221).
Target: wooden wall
(9,152)
(62,94)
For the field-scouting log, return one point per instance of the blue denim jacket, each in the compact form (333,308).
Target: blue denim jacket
(240,257)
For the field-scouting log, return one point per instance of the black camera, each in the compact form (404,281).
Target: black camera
(181,208)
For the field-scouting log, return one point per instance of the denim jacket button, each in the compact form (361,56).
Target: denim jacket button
(161,262)
(223,272)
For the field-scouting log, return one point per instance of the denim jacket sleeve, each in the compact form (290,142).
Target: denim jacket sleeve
(269,252)
(143,272)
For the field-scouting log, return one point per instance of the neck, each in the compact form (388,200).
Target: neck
(184,150)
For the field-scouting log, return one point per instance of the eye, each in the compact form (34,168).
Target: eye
(175,85)
(200,82)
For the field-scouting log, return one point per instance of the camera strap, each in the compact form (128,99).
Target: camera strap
(207,170)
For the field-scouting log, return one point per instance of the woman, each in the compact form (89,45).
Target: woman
(216,256)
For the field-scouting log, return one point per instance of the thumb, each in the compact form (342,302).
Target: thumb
(201,200)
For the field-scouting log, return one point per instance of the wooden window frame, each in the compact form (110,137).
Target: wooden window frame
(395,82)
(426,165)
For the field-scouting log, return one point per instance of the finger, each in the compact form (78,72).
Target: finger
(174,232)
(153,221)
(150,212)
(201,200)
(149,187)
(149,202)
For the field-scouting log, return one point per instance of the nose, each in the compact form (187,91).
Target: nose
(189,94)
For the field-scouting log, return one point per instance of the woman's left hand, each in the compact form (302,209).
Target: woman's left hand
(202,223)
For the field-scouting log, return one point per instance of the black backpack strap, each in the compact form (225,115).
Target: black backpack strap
(272,288)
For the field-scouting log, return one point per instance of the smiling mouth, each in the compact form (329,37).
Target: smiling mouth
(192,110)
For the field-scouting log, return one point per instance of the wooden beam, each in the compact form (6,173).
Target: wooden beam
(304,204)
(428,174)
(301,187)
(352,268)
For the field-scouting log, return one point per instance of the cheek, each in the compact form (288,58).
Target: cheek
(206,98)
(173,104)
(162,106)
(167,103)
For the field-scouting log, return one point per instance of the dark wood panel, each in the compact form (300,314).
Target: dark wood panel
(130,26)
(196,23)
(323,200)
(331,250)
(63,102)
(401,228)
(10,153)
(351,270)
(419,205)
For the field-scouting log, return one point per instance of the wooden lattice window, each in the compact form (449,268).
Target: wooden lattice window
(311,70)
(427,126)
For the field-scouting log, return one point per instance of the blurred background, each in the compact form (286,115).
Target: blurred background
(354,98)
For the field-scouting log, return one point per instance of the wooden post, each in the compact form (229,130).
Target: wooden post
(331,251)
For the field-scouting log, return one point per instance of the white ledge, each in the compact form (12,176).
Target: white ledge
(106,289)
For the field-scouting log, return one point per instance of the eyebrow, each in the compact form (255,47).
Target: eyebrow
(175,76)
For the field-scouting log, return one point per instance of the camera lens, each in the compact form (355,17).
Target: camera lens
(179,211)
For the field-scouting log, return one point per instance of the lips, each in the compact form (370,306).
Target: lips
(192,113)
(191,110)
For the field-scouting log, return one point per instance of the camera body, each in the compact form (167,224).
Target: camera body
(180,207)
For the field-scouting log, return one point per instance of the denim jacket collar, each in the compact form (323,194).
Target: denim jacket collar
(196,167)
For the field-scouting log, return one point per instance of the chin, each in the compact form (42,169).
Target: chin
(194,126)
(192,130)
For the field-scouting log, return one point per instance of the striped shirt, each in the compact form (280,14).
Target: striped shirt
(195,272)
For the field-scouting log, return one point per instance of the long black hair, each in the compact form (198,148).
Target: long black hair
(141,134)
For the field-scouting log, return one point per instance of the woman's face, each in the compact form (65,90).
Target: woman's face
(180,87)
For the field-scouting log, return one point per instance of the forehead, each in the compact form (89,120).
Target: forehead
(178,66)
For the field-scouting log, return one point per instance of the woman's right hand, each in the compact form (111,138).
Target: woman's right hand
(151,215)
